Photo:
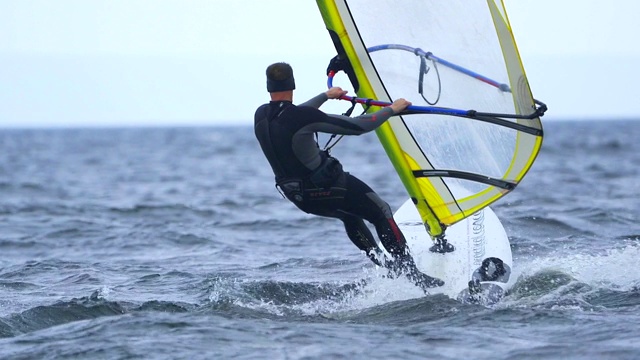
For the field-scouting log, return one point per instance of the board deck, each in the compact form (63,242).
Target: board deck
(477,239)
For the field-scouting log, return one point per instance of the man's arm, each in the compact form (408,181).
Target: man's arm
(365,122)
(344,125)
(318,100)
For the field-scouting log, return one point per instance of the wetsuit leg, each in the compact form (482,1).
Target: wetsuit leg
(354,226)
(361,236)
(362,201)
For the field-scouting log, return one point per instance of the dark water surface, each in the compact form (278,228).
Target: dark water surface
(174,244)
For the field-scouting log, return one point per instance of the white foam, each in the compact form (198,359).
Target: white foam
(612,269)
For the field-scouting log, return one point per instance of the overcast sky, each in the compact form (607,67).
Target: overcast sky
(201,62)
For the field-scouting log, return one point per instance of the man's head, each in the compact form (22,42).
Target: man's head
(280,77)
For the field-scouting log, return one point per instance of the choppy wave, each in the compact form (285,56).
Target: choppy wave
(576,283)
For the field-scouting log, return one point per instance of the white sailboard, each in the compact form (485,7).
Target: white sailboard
(470,136)
(482,252)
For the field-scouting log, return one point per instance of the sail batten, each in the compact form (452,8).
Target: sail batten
(474,130)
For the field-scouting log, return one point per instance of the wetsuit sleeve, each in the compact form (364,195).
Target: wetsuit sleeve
(367,122)
(344,125)
(316,101)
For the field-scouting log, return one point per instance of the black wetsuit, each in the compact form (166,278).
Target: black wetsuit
(316,183)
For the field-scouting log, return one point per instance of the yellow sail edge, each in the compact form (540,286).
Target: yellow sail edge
(333,22)
(516,72)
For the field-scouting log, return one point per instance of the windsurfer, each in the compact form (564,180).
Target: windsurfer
(315,181)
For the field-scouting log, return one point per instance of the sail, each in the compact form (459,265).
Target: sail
(474,130)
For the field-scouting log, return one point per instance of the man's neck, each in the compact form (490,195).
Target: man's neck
(282,96)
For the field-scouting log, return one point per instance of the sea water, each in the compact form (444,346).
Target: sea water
(172,243)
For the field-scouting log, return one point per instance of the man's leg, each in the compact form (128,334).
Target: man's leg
(362,237)
(362,201)
(356,229)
